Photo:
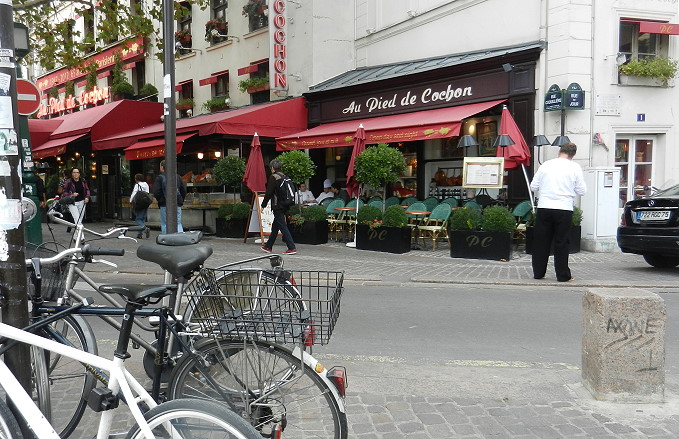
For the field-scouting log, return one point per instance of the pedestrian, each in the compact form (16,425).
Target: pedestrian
(559,181)
(76,186)
(140,215)
(63,174)
(279,222)
(40,189)
(327,191)
(159,194)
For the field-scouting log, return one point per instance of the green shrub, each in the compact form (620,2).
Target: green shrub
(123,89)
(240,210)
(297,165)
(315,213)
(465,218)
(497,219)
(379,165)
(577,216)
(394,216)
(225,210)
(659,67)
(148,90)
(368,214)
(229,171)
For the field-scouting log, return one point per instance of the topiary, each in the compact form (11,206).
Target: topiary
(240,211)
(497,219)
(315,213)
(379,165)
(465,218)
(368,214)
(394,216)
(576,220)
(229,171)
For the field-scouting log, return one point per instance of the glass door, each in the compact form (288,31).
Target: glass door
(634,157)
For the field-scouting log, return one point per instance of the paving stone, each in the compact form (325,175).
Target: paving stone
(431,418)
(410,427)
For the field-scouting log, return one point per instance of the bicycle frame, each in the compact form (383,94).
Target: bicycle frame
(121,380)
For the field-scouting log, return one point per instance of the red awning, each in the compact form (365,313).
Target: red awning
(654,27)
(209,80)
(149,148)
(421,125)
(40,130)
(272,119)
(54,147)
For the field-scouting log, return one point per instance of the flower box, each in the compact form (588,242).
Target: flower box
(234,228)
(574,237)
(310,232)
(383,239)
(258,88)
(480,245)
(645,81)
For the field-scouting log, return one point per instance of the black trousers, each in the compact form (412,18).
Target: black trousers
(552,225)
(279,223)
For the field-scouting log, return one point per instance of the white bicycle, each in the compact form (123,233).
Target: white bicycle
(181,418)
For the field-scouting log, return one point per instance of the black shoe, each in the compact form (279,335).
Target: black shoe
(139,236)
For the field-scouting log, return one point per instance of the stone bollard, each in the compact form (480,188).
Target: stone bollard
(623,345)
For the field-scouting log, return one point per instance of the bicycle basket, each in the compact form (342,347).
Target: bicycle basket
(53,275)
(275,305)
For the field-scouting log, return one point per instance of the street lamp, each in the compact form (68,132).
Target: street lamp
(22,46)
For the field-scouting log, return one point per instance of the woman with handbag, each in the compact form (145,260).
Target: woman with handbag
(140,205)
(76,187)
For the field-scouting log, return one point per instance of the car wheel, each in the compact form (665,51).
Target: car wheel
(660,261)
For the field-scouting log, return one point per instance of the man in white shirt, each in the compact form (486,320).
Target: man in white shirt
(327,191)
(304,196)
(559,181)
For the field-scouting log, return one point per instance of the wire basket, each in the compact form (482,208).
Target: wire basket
(53,275)
(275,305)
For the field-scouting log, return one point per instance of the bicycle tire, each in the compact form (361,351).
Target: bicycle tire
(188,417)
(206,304)
(9,426)
(41,381)
(299,400)
(69,381)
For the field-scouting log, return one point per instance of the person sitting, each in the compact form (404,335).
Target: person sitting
(339,192)
(304,196)
(327,192)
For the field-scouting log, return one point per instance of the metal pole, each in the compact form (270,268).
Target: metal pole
(13,295)
(170,116)
(563,121)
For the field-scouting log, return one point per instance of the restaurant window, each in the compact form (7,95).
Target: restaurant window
(139,75)
(184,34)
(221,87)
(640,45)
(634,158)
(262,73)
(257,14)
(185,102)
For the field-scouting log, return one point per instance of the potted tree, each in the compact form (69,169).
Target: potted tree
(309,227)
(229,171)
(299,167)
(149,92)
(390,234)
(574,234)
(231,220)
(477,235)
(657,71)
(379,166)
(122,90)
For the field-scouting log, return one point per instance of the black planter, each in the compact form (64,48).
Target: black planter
(383,239)
(574,237)
(234,228)
(311,232)
(480,245)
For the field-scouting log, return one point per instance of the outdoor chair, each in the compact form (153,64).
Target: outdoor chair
(407,201)
(473,205)
(334,215)
(326,201)
(376,203)
(437,224)
(391,201)
(431,203)
(451,201)
(523,213)
(415,220)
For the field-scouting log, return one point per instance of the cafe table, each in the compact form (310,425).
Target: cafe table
(419,215)
(341,220)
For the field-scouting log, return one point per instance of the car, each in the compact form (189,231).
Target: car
(650,227)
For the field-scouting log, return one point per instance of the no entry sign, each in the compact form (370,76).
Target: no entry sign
(28,97)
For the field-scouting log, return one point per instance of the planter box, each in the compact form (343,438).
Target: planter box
(644,81)
(258,88)
(574,237)
(311,232)
(480,245)
(230,229)
(383,239)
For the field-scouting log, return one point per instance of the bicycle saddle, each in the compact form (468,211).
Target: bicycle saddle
(178,261)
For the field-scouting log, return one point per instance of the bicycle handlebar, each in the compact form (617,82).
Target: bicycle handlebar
(87,251)
(57,218)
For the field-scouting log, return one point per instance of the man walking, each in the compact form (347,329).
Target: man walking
(559,181)
(159,194)
(279,222)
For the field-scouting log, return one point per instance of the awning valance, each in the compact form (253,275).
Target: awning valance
(150,148)
(655,27)
(54,147)
(421,125)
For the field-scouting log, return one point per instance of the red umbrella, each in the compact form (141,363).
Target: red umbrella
(518,153)
(359,147)
(255,176)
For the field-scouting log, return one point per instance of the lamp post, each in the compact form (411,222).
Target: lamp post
(12,256)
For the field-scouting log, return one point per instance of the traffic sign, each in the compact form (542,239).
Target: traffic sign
(28,97)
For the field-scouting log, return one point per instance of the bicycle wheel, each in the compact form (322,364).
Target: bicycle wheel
(266,382)
(245,289)
(9,427)
(183,418)
(69,381)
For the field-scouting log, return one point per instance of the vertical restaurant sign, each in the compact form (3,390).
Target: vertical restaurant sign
(278,47)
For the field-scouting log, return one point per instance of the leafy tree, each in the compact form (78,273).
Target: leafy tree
(229,171)
(379,165)
(297,165)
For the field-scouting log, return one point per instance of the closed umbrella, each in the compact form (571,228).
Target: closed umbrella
(352,184)
(516,154)
(255,175)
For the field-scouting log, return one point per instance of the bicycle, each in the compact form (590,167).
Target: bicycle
(174,419)
(330,384)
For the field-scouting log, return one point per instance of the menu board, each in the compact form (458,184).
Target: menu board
(483,172)
(260,219)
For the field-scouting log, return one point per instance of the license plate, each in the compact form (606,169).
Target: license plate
(654,215)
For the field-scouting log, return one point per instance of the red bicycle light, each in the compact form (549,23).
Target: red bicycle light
(310,334)
(338,376)
(277,432)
